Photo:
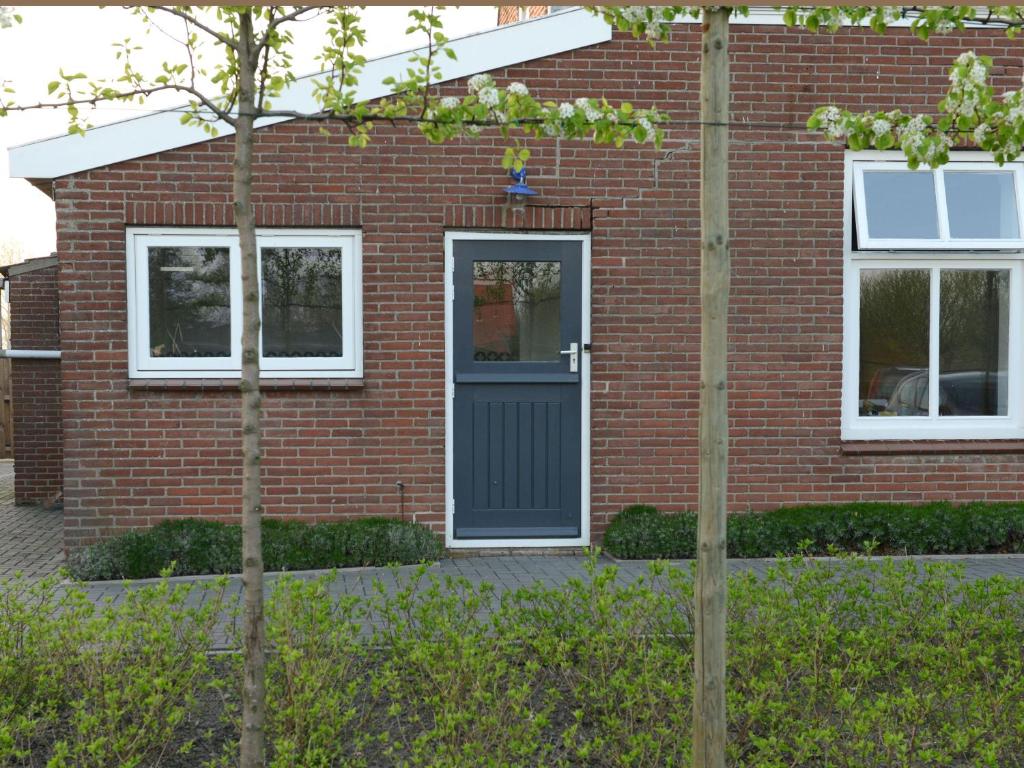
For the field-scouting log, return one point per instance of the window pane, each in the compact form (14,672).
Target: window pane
(301,302)
(974,325)
(901,205)
(189,302)
(982,204)
(894,312)
(516,310)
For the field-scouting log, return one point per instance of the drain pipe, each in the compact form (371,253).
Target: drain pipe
(31,354)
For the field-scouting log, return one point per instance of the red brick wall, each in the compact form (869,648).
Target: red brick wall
(36,388)
(135,456)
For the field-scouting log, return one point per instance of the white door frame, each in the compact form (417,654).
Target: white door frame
(449,412)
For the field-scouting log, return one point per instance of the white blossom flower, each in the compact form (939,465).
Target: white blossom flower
(566,110)
(913,126)
(518,89)
(881,127)
(965,58)
(500,117)
(449,102)
(550,129)
(582,103)
(634,13)
(644,123)
(981,132)
(592,114)
(489,96)
(830,123)
(479,82)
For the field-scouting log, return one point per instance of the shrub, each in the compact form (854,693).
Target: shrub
(848,664)
(936,528)
(99,685)
(864,663)
(844,663)
(192,547)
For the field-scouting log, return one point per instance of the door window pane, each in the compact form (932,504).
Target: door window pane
(302,302)
(516,311)
(973,341)
(901,205)
(982,205)
(189,302)
(894,319)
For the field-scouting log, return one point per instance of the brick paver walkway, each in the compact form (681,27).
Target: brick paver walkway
(31,538)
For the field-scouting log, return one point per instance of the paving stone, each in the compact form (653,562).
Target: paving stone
(31,538)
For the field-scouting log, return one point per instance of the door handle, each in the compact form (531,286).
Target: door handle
(574,357)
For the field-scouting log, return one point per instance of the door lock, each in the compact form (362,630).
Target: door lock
(574,357)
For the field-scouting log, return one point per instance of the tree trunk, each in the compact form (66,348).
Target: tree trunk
(709,723)
(251,746)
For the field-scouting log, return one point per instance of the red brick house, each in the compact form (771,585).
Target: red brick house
(876,327)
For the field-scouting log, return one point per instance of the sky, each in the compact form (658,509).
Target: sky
(80,38)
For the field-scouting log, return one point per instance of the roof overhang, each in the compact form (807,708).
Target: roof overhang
(493,49)
(29,265)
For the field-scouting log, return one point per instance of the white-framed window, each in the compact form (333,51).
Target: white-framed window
(185,303)
(933,300)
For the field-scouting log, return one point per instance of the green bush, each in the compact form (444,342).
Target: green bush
(96,685)
(845,663)
(924,529)
(197,547)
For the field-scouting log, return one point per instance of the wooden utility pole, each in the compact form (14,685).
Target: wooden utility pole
(709,654)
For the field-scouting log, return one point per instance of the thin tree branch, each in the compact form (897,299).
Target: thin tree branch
(290,16)
(218,112)
(175,11)
(263,57)
(430,61)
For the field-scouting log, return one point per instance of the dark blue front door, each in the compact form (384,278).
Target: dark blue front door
(517,319)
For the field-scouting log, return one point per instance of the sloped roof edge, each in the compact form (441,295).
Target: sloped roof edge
(160,131)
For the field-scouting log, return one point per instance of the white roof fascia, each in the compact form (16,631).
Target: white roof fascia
(137,137)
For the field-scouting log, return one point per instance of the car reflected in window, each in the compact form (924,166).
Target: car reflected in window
(964,393)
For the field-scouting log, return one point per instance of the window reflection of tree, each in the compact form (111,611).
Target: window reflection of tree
(973,325)
(894,320)
(302,302)
(531,290)
(189,302)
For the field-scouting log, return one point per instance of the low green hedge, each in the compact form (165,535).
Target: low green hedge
(206,547)
(847,663)
(642,531)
